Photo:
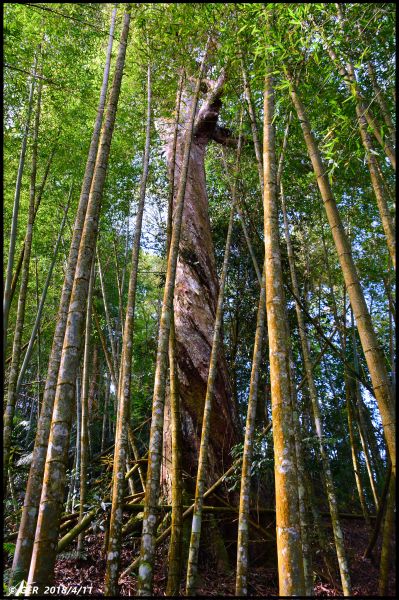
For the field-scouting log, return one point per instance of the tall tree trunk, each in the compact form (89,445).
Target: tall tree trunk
(195,299)
(23,550)
(12,392)
(289,548)
(371,349)
(192,565)
(155,446)
(123,416)
(43,556)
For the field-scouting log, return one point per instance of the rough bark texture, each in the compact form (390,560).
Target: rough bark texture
(155,446)
(27,527)
(43,555)
(192,565)
(176,537)
(195,300)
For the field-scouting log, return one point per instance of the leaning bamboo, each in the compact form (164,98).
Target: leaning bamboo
(43,559)
(328,480)
(371,349)
(27,527)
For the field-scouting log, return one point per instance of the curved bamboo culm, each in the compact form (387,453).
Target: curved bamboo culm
(38,199)
(371,349)
(43,557)
(349,382)
(123,415)
(328,480)
(381,101)
(349,77)
(26,534)
(365,110)
(12,392)
(289,547)
(155,446)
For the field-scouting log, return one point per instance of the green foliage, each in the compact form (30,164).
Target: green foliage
(172,36)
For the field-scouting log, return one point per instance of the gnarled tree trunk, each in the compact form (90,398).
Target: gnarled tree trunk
(195,299)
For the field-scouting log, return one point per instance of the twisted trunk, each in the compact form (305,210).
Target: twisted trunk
(195,299)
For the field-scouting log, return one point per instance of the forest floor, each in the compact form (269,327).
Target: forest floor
(89,571)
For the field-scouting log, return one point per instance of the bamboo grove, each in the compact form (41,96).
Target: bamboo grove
(199,297)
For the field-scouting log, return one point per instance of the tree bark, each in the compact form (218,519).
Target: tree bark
(192,565)
(155,446)
(176,541)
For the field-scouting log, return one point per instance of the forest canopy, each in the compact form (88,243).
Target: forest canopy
(199,299)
